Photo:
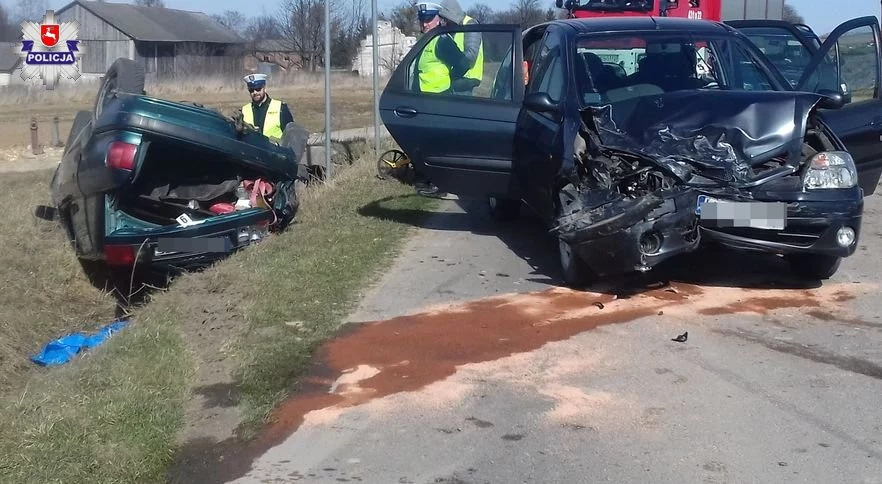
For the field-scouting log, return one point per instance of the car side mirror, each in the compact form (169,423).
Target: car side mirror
(540,102)
(831,99)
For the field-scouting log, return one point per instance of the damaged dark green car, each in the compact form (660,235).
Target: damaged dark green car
(154,184)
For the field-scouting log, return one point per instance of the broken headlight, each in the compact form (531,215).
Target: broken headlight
(830,169)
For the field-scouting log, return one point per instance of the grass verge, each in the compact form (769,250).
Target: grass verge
(118,413)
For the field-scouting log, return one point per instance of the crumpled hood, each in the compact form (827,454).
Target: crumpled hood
(720,134)
(451,10)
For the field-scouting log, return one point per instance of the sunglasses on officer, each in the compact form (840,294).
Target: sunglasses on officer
(255,89)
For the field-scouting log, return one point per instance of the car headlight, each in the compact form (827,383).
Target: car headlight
(830,169)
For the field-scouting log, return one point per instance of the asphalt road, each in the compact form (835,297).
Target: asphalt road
(778,381)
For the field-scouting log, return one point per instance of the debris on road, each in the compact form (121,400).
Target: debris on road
(681,338)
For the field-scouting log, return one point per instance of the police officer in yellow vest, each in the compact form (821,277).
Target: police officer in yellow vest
(270,116)
(451,64)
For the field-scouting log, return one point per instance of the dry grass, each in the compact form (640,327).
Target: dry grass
(351,102)
(44,292)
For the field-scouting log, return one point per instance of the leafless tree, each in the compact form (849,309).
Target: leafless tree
(32,10)
(792,15)
(525,13)
(232,20)
(262,28)
(404,17)
(150,3)
(302,24)
(481,12)
(9,31)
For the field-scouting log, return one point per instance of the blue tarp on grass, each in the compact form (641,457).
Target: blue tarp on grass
(65,348)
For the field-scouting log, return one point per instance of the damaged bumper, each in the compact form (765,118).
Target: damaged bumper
(818,227)
(637,237)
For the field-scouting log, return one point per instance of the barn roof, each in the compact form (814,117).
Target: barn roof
(157,24)
(9,57)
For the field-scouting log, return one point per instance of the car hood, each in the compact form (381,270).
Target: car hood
(720,135)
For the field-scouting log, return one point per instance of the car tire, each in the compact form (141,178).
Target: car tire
(504,209)
(814,266)
(124,75)
(576,273)
(574,270)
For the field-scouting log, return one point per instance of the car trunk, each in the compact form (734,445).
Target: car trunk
(174,187)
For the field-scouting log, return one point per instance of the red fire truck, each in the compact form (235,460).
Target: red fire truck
(698,9)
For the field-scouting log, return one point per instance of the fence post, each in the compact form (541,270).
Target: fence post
(56,137)
(35,140)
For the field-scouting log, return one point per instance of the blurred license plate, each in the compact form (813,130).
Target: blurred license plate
(170,245)
(757,215)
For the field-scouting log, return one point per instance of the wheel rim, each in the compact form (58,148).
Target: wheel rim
(388,162)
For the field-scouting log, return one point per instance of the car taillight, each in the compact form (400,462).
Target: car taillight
(119,255)
(121,155)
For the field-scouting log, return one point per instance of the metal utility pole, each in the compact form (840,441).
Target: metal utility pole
(327,89)
(376,61)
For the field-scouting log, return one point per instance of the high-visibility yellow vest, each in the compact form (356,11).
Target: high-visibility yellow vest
(477,71)
(272,124)
(434,74)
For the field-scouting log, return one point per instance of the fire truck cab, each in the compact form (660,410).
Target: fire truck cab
(696,9)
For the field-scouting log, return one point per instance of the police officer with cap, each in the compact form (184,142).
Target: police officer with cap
(449,63)
(270,116)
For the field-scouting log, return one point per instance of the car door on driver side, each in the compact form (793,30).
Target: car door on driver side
(461,140)
(848,63)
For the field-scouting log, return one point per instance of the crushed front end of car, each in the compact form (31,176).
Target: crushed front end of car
(753,170)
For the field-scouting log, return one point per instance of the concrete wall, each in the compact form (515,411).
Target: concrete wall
(392,46)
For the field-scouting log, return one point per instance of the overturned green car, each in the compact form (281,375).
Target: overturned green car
(154,184)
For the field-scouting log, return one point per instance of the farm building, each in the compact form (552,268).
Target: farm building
(169,42)
(10,63)
(272,56)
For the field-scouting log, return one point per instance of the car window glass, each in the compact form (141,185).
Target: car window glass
(548,75)
(613,69)
(442,67)
(858,64)
(783,49)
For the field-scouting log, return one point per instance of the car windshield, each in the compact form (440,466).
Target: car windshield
(611,69)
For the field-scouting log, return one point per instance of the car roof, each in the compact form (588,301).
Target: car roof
(627,24)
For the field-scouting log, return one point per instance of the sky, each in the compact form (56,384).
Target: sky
(821,15)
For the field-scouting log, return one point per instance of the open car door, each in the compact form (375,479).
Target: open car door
(459,134)
(846,63)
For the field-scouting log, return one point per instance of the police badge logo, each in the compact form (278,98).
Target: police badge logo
(50,50)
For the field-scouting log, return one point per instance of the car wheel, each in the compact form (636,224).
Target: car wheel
(814,266)
(124,75)
(504,209)
(576,272)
